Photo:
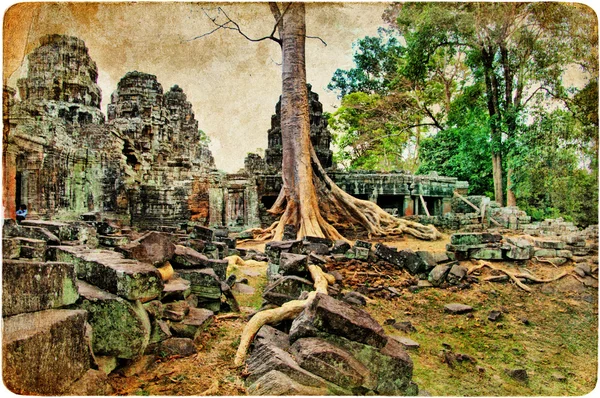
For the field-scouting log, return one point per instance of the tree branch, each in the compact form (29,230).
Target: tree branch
(236,27)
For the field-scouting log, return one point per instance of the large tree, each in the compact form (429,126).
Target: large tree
(309,199)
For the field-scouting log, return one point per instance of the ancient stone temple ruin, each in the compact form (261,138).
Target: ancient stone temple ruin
(146,163)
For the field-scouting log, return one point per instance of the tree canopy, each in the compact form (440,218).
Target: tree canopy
(476,79)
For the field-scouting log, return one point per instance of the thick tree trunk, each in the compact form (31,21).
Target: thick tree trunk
(497,174)
(511,199)
(309,199)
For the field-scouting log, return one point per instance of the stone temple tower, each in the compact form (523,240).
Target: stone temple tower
(319,134)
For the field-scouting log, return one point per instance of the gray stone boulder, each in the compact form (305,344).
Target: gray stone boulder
(177,346)
(153,247)
(456,308)
(277,383)
(456,274)
(29,286)
(327,315)
(44,352)
(437,276)
(332,363)
(120,328)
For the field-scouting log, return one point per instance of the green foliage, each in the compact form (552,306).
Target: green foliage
(463,150)
(372,133)
(551,175)
(375,60)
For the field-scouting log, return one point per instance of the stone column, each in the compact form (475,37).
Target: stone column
(9,181)
(446,205)
(409,209)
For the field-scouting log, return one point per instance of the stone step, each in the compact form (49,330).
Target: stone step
(44,352)
(63,230)
(29,286)
(110,271)
(120,328)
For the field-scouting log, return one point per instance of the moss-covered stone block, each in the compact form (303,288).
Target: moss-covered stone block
(120,328)
(110,271)
(204,283)
(44,352)
(29,286)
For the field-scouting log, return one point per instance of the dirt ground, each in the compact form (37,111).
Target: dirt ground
(551,333)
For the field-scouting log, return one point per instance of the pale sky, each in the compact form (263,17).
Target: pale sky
(233,84)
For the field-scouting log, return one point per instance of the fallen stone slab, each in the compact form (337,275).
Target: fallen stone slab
(160,331)
(63,230)
(204,283)
(514,252)
(268,335)
(286,288)
(29,286)
(456,274)
(153,248)
(40,233)
(267,358)
(437,276)
(391,366)
(340,247)
(276,383)
(202,233)
(456,308)
(177,346)
(120,328)
(486,254)
(407,343)
(176,310)
(186,257)
(549,244)
(413,262)
(293,264)
(44,352)
(176,289)
(109,271)
(219,266)
(331,316)
(194,322)
(332,363)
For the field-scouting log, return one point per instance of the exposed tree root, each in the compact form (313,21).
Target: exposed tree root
(338,209)
(516,277)
(289,310)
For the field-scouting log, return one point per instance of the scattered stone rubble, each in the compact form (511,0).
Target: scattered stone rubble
(55,288)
